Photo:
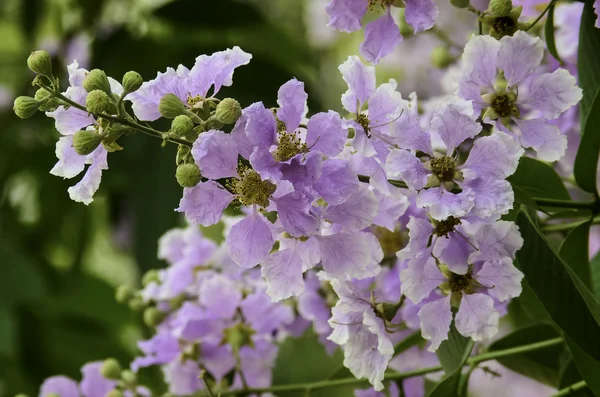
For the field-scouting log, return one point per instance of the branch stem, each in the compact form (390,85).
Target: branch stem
(570,389)
(532,24)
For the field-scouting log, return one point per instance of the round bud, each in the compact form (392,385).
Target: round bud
(124,293)
(188,175)
(441,57)
(40,62)
(49,103)
(149,277)
(85,142)
(181,125)
(111,369)
(98,101)
(500,8)
(460,3)
(132,81)
(21,395)
(97,80)
(137,304)
(129,377)
(114,393)
(170,106)
(26,106)
(52,395)
(228,111)
(153,317)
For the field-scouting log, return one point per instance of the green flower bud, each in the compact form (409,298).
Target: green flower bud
(111,369)
(500,8)
(97,80)
(170,106)
(21,395)
(26,106)
(129,378)
(188,175)
(150,277)
(49,103)
(98,101)
(52,395)
(124,293)
(85,142)
(228,111)
(137,304)
(212,124)
(114,393)
(153,317)
(132,81)
(182,125)
(441,57)
(40,62)
(460,3)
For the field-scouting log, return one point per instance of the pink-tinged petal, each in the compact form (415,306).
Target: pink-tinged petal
(220,292)
(496,241)
(293,210)
(283,272)
(381,37)
(83,191)
(419,279)
(519,56)
(261,126)
(215,153)
(552,93)
(443,204)
(454,121)
(204,203)
(292,98)
(347,256)
(492,157)
(545,138)
(479,62)
(338,181)
(361,83)
(391,208)
(356,213)
(326,134)
(61,385)
(70,164)
(250,240)
(420,14)
(215,70)
(492,198)
(477,318)
(183,377)
(405,166)
(436,318)
(345,15)
(502,278)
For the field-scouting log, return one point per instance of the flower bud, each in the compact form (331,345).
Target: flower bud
(441,57)
(188,175)
(97,80)
(111,369)
(228,111)
(124,293)
(49,103)
(181,125)
(129,378)
(132,81)
(98,101)
(114,393)
(40,62)
(150,276)
(460,3)
(21,395)
(153,317)
(170,106)
(500,8)
(26,106)
(85,142)
(137,304)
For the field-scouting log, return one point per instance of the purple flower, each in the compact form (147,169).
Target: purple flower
(597,10)
(61,385)
(500,78)
(93,384)
(383,34)
(191,86)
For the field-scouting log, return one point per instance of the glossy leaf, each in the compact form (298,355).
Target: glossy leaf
(537,179)
(589,148)
(574,252)
(588,63)
(549,33)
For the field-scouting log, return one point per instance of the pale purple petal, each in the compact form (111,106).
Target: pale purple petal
(338,181)
(262,161)
(391,208)
(261,126)
(381,37)
(435,319)
(361,83)
(215,153)
(420,14)
(405,166)
(476,317)
(519,56)
(419,279)
(70,164)
(292,98)
(356,213)
(454,250)
(347,256)
(171,245)
(345,15)
(263,315)
(204,203)
(70,120)
(93,384)
(502,278)
(83,191)
(479,62)
(217,359)
(496,241)
(406,131)
(597,11)
(419,232)
(293,210)
(250,240)
(221,295)
(257,363)
(552,93)
(183,378)
(545,138)
(283,272)
(326,134)
(492,157)
(216,70)
(61,385)
(492,198)
(385,105)
(454,121)
(443,204)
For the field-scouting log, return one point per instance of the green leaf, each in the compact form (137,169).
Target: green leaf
(595,269)
(408,342)
(549,33)
(542,365)
(8,332)
(588,64)
(574,252)
(588,367)
(20,279)
(537,179)
(529,304)
(589,148)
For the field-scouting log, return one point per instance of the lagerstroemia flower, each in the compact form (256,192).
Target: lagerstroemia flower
(501,78)
(383,34)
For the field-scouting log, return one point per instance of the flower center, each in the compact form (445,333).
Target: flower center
(363,120)
(503,104)
(193,100)
(380,3)
(446,226)
(504,26)
(443,168)
(289,145)
(461,282)
(250,189)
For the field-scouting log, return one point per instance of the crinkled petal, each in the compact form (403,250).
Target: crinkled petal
(406,131)
(405,166)
(454,251)
(436,318)
(345,15)
(183,377)
(220,294)
(492,157)
(292,104)
(420,14)
(356,213)
(553,93)
(419,279)
(261,126)
(262,161)
(347,256)
(61,385)
(496,241)
(390,209)
(70,164)
(204,203)
(93,384)
(385,105)
(454,122)
(215,153)
(443,204)
(492,198)
(326,134)
(519,56)
(250,240)
(381,37)
(338,181)
(283,273)
(545,138)
(70,120)
(476,317)
(479,63)
(361,83)
(293,210)
(502,279)
(83,191)
(419,232)
(216,70)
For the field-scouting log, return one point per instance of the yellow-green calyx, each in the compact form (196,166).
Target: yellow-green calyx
(448,225)
(501,22)
(86,141)
(188,175)
(458,284)
(97,80)
(373,4)
(132,81)
(111,369)
(238,336)
(250,189)
(40,62)
(228,111)
(26,106)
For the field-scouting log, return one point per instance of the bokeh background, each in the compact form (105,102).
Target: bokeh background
(60,261)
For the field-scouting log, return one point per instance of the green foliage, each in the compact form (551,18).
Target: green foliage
(536,179)
(574,252)
(549,33)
